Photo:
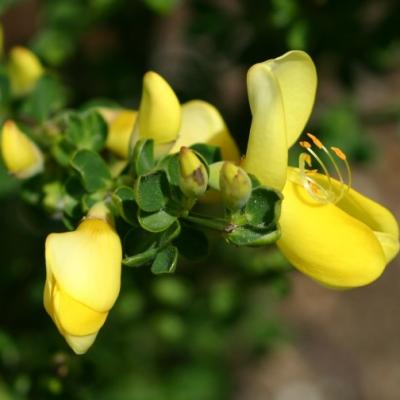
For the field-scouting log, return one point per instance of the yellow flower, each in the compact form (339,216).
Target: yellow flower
(329,231)
(20,154)
(83,272)
(25,70)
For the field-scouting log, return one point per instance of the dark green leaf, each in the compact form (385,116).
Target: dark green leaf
(152,191)
(124,198)
(140,246)
(143,157)
(165,261)
(92,169)
(86,130)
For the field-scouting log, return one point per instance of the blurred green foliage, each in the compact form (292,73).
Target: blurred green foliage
(180,337)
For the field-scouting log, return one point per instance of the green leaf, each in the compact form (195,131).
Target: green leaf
(47,97)
(192,243)
(155,222)
(124,198)
(86,130)
(92,169)
(248,236)
(152,191)
(263,207)
(165,261)
(143,157)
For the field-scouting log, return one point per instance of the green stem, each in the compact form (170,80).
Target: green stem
(218,225)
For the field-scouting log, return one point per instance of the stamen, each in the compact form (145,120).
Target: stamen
(316,190)
(315,140)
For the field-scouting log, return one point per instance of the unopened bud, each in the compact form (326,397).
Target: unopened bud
(25,70)
(235,186)
(20,154)
(194,178)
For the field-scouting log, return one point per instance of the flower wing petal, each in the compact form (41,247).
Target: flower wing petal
(326,243)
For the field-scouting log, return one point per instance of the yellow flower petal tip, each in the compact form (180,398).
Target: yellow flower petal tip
(119,133)
(83,271)
(25,70)
(202,123)
(21,156)
(235,186)
(194,177)
(159,112)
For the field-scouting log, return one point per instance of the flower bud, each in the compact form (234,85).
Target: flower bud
(235,186)
(20,154)
(25,70)
(83,273)
(159,116)
(119,133)
(194,178)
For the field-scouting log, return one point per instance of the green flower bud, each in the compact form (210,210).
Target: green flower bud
(235,186)
(194,178)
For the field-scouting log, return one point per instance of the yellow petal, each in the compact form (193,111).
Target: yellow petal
(75,318)
(326,243)
(159,112)
(202,123)
(297,79)
(86,263)
(119,133)
(267,154)
(20,154)
(80,344)
(25,69)
(379,219)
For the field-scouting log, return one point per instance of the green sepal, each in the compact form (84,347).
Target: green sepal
(124,199)
(192,243)
(155,222)
(151,191)
(93,171)
(165,261)
(143,157)
(263,207)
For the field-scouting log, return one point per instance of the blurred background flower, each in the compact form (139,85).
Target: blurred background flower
(221,328)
